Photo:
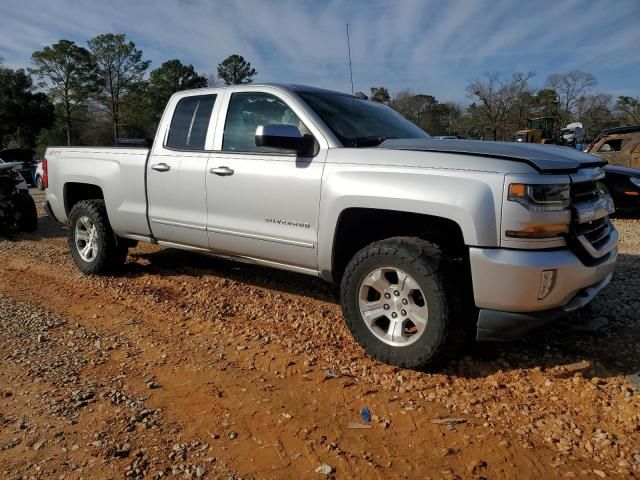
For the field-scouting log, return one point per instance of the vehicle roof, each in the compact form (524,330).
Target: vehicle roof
(623,129)
(283,86)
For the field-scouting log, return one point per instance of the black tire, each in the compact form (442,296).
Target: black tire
(425,263)
(39,183)
(111,253)
(28,214)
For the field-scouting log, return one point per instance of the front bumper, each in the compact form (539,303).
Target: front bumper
(507,286)
(494,325)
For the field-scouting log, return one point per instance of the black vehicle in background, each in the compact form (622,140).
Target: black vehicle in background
(623,184)
(25,156)
(17,208)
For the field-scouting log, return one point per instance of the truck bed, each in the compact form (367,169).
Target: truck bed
(118,172)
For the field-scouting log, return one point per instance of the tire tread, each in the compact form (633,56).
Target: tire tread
(426,257)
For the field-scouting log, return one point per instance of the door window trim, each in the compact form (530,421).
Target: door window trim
(268,153)
(211,128)
(290,101)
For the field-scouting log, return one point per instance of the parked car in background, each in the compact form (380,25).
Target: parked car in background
(17,208)
(40,176)
(25,157)
(623,184)
(619,146)
(451,137)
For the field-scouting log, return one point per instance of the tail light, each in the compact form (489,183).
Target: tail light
(45,173)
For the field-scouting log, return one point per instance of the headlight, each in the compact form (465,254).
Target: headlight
(635,181)
(541,197)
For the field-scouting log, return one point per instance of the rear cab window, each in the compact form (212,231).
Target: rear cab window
(190,122)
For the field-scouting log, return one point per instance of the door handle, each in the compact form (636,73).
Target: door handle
(222,171)
(161,167)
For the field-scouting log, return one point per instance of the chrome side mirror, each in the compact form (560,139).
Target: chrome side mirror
(284,137)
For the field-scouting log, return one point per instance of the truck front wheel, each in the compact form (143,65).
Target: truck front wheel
(94,247)
(395,302)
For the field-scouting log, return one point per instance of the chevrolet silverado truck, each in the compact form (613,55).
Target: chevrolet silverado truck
(431,241)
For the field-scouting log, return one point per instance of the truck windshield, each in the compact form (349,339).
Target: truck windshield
(360,123)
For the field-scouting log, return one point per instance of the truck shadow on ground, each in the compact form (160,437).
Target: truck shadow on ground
(602,340)
(47,228)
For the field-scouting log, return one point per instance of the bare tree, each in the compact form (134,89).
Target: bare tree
(595,112)
(497,100)
(570,87)
(628,108)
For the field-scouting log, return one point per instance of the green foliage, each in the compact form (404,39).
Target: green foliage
(235,70)
(171,77)
(380,95)
(69,75)
(23,112)
(120,68)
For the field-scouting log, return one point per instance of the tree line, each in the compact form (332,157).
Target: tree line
(94,95)
(76,95)
(500,106)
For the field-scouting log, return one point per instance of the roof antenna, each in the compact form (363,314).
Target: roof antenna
(353,98)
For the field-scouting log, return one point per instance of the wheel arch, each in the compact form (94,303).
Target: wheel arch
(357,227)
(74,192)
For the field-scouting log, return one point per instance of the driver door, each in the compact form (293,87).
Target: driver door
(263,203)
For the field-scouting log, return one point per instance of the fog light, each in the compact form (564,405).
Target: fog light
(547,282)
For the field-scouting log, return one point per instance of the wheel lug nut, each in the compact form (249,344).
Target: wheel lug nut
(396,293)
(404,313)
(386,306)
(394,315)
(405,301)
(387,295)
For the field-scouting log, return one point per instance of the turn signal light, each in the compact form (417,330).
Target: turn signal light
(539,231)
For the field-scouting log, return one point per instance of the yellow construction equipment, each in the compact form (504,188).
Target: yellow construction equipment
(539,130)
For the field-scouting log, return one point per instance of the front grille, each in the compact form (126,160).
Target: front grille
(592,235)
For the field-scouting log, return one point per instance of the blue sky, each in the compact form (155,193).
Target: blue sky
(429,46)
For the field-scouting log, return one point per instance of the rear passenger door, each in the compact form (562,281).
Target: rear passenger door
(176,173)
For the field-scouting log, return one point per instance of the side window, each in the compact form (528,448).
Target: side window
(611,146)
(247,111)
(190,122)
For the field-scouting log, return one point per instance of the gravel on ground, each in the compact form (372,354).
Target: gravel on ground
(184,366)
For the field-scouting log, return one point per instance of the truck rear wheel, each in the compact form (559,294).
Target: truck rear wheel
(94,247)
(395,303)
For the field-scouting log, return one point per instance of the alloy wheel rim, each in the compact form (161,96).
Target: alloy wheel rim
(393,306)
(86,239)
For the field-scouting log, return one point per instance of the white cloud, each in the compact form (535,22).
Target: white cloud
(427,45)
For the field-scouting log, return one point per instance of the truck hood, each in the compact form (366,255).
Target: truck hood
(544,158)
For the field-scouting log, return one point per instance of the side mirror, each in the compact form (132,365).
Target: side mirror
(285,137)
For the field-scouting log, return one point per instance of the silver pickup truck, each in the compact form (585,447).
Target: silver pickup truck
(431,241)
